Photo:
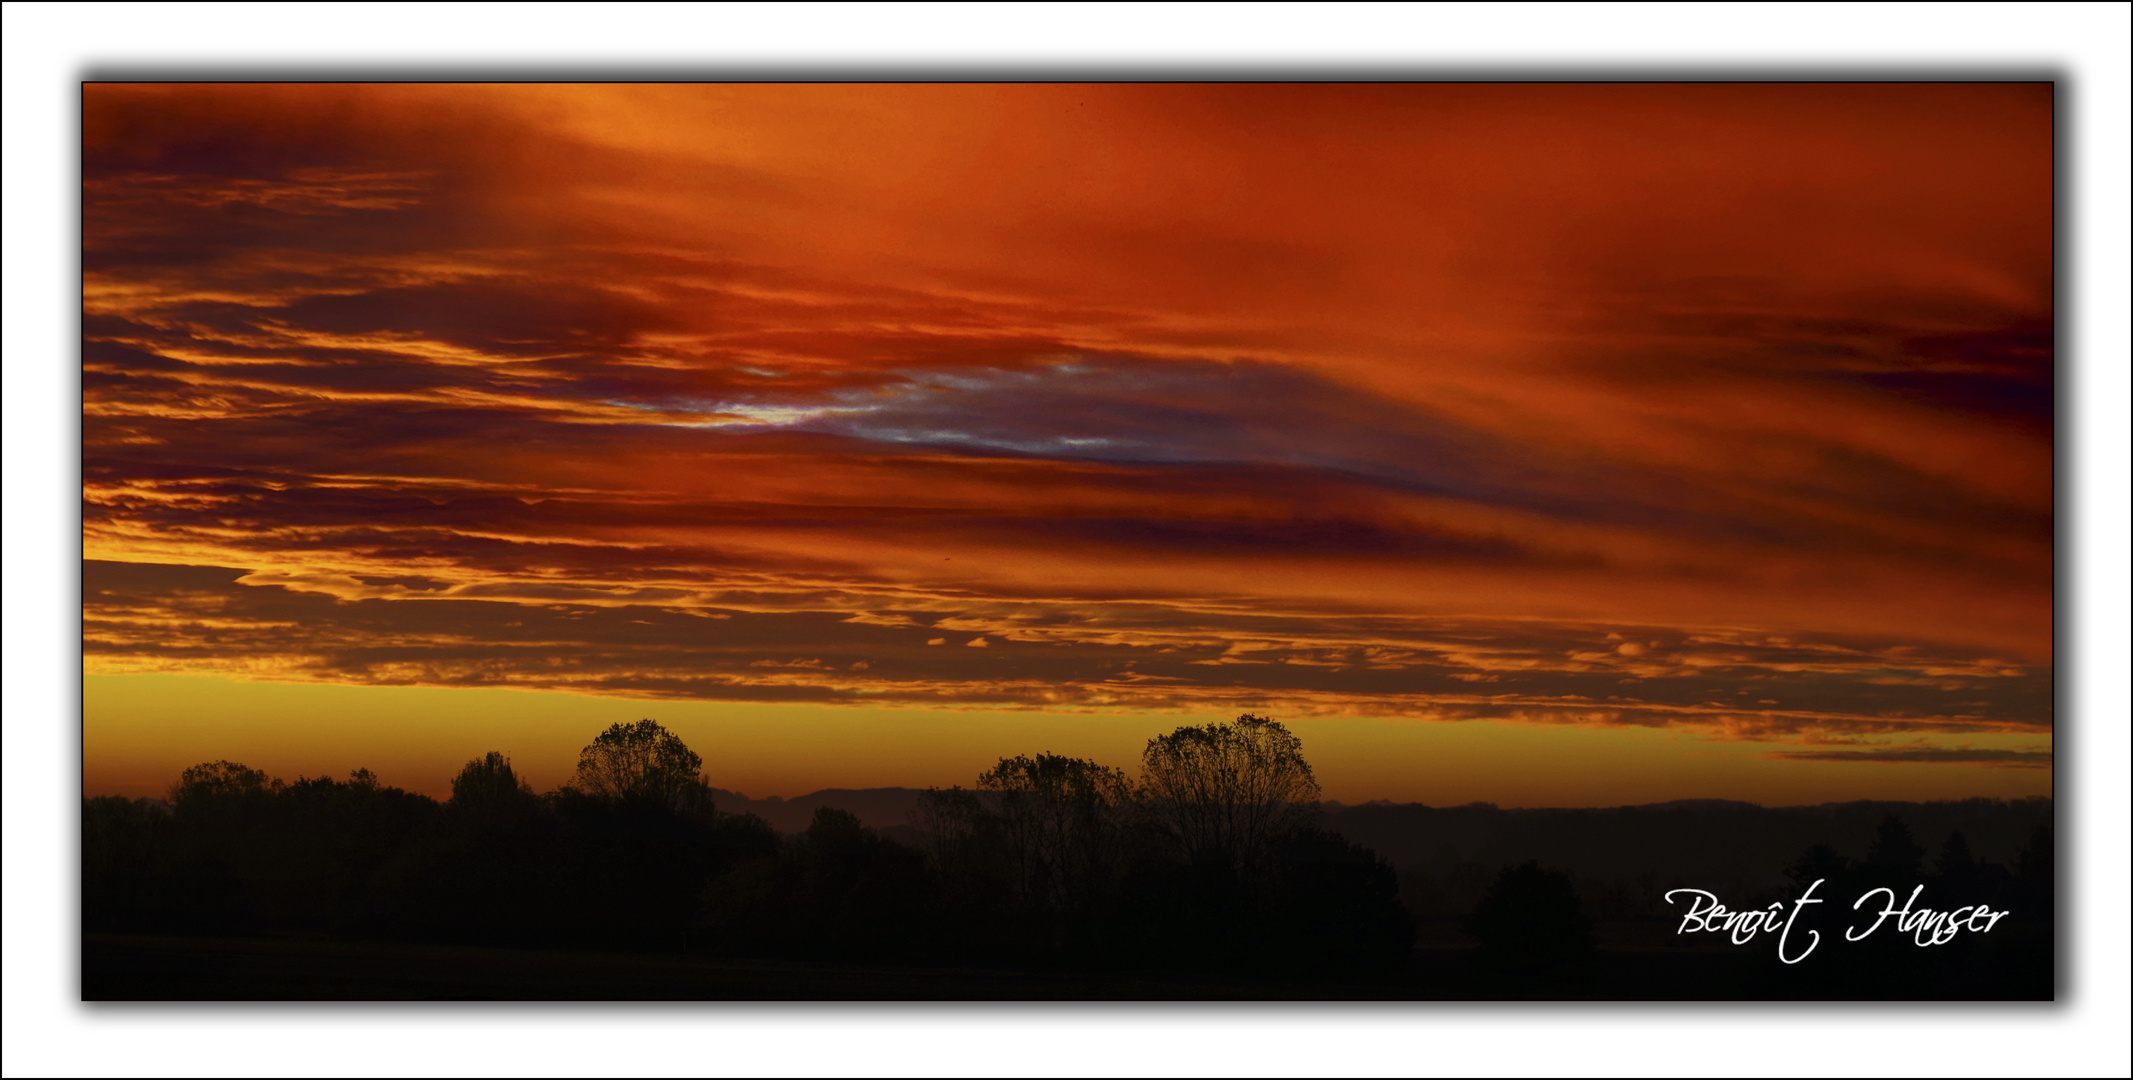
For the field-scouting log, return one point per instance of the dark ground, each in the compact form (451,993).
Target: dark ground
(141,968)
(138,968)
(330,891)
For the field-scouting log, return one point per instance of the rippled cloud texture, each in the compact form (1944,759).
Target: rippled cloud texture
(1725,407)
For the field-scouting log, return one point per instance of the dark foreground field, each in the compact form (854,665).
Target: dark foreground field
(125,967)
(132,968)
(142,968)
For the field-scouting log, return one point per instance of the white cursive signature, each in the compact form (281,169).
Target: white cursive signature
(1710,916)
(1926,925)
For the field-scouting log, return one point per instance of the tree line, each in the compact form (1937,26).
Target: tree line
(1208,860)
(1212,859)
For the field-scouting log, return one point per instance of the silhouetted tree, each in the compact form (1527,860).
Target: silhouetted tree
(1955,859)
(489,781)
(220,781)
(1333,909)
(1178,913)
(1063,823)
(976,876)
(1227,790)
(1532,928)
(2034,881)
(839,890)
(1894,855)
(312,858)
(126,871)
(2027,954)
(1957,872)
(489,875)
(1820,863)
(958,823)
(213,852)
(643,762)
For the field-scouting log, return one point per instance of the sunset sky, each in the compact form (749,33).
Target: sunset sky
(1540,444)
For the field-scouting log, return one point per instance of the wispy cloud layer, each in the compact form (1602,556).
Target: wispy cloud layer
(1138,655)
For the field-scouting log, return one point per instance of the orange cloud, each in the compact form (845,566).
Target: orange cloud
(1392,399)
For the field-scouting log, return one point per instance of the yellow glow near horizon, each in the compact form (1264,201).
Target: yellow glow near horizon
(140,731)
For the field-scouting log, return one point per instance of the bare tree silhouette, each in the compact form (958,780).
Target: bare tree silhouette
(1228,789)
(1063,819)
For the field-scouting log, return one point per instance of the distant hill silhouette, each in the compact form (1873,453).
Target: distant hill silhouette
(1623,857)
(886,808)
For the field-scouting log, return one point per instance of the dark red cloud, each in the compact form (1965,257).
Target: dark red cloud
(2001,759)
(1706,366)
(657,642)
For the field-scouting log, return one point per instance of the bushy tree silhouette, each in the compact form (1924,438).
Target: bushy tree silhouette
(1895,855)
(960,826)
(1955,859)
(220,780)
(1063,822)
(1334,909)
(1958,872)
(977,875)
(1227,790)
(1532,928)
(838,891)
(489,781)
(129,878)
(1820,863)
(643,762)
(2035,881)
